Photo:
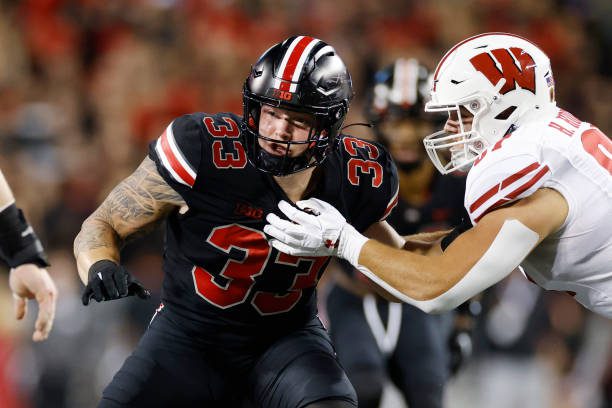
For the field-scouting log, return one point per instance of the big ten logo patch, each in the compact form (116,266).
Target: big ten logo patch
(248,210)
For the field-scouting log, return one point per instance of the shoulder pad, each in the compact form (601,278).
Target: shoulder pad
(221,125)
(371,174)
(506,172)
(177,152)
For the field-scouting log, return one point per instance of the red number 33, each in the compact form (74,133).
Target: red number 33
(229,129)
(357,166)
(248,252)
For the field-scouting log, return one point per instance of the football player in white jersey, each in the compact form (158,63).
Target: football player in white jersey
(538,191)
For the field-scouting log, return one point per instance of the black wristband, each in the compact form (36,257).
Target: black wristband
(458,230)
(19,244)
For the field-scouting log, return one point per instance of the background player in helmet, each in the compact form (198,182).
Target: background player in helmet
(238,319)
(377,340)
(539,188)
(22,251)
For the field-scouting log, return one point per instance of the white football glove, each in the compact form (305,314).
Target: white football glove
(318,229)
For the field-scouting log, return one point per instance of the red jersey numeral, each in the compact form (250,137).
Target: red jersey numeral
(222,158)
(268,303)
(356,166)
(240,273)
(249,252)
(598,145)
(226,160)
(351,144)
(364,166)
(230,129)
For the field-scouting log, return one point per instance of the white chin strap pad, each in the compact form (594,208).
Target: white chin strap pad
(513,243)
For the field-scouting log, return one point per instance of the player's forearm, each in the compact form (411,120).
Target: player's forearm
(431,283)
(416,276)
(6,195)
(18,242)
(427,243)
(97,240)
(439,283)
(427,237)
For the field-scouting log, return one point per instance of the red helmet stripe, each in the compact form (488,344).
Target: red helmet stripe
(293,61)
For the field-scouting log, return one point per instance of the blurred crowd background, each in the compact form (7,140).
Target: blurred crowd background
(86,84)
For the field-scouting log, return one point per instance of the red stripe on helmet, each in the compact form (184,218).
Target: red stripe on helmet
(295,56)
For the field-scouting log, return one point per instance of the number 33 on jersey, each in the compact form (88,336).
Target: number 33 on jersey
(217,258)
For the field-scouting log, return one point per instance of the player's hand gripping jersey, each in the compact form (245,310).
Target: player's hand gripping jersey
(573,157)
(217,261)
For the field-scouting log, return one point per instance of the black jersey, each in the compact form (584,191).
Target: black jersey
(443,209)
(217,261)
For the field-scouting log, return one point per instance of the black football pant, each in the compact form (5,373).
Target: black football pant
(172,368)
(418,364)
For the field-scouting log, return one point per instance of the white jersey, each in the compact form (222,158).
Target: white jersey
(560,152)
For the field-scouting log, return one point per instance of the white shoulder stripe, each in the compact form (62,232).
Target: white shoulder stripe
(178,153)
(166,163)
(173,160)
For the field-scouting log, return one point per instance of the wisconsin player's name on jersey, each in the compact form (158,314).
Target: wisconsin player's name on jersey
(565,123)
(574,158)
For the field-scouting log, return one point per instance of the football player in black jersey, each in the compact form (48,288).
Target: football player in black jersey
(238,321)
(376,340)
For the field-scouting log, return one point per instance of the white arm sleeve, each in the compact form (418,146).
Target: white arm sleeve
(513,243)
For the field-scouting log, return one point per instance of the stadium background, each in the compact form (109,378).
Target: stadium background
(85,84)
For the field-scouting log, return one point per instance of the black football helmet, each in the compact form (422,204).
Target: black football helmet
(396,96)
(301,74)
(398,91)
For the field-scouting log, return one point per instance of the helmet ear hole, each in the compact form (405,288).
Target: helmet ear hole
(505,114)
(473,107)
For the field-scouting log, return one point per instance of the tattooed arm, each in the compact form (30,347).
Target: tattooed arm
(134,205)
